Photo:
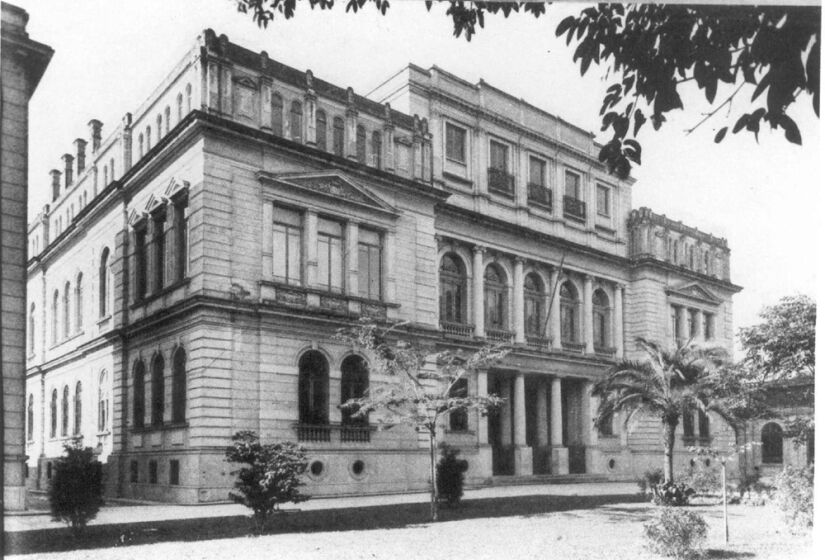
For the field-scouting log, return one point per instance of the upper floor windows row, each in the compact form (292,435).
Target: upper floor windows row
(163,121)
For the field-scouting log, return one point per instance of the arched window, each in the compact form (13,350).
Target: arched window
(772,443)
(458,418)
(106,174)
(376,148)
(31,328)
(112,168)
(158,390)
(338,136)
(321,130)
(354,385)
(296,120)
(569,303)
(188,97)
(601,319)
(140,145)
(691,262)
(704,425)
(167,115)
(313,389)
(180,107)
(30,418)
(453,283)
(78,408)
(533,305)
(103,402)
(495,298)
(139,396)
(706,269)
(55,315)
(64,417)
(179,386)
(361,144)
(78,299)
(67,288)
(103,282)
(159,124)
(53,417)
(277,107)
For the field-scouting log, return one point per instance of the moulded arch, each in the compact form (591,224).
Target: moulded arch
(542,274)
(504,267)
(462,253)
(296,357)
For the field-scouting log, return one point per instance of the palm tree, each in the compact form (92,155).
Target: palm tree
(667,385)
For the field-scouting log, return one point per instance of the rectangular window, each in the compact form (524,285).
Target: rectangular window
(572,185)
(459,418)
(182,238)
(159,237)
(286,245)
(704,425)
(687,424)
(498,156)
(707,324)
(603,200)
(691,324)
(141,259)
(330,255)
(174,472)
(133,471)
(537,171)
(456,143)
(369,264)
(153,472)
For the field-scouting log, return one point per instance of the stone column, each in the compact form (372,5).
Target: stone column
(559,459)
(485,451)
(310,249)
(506,413)
(682,333)
(555,313)
(591,433)
(588,314)
(266,242)
(541,413)
(618,320)
(523,454)
(518,300)
(478,290)
(711,319)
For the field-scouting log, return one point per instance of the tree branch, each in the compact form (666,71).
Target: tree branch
(727,101)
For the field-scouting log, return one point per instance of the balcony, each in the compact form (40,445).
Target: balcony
(322,433)
(313,432)
(355,434)
(605,351)
(499,335)
(569,346)
(574,208)
(500,182)
(539,195)
(538,342)
(457,329)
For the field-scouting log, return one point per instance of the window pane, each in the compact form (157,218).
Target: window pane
(279,251)
(294,256)
(287,216)
(336,264)
(603,200)
(456,138)
(498,156)
(537,171)
(571,184)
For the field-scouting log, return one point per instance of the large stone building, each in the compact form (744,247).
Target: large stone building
(23,63)
(193,265)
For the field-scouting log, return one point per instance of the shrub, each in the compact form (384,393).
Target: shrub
(76,489)
(650,479)
(704,480)
(676,532)
(271,475)
(672,493)
(752,491)
(449,476)
(794,496)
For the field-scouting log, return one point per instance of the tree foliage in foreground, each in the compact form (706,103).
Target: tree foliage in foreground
(76,489)
(651,52)
(423,387)
(270,475)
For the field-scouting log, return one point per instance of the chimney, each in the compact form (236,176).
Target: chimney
(55,184)
(95,127)
(67,169)
(80,157)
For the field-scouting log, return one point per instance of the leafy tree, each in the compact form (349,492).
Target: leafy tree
(667,385)
(425,385)
(76,490)
(271,474)
(652,52)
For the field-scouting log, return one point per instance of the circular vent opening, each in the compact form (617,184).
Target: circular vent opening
(358,467)
(316,468)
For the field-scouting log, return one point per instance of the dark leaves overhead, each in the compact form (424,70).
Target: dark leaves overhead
(653,50)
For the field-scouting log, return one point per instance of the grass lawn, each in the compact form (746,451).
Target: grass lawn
(610,531)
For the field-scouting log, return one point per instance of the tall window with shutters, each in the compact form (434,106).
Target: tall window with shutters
(369,264)
(456,143)
(139,394)
(181,237)
(64,416)
(495,299)
(78,302)
(179,386)
(376,148)
(601,319)
(277,111)
(158,390)
(55,316)
(67,288)
(354,385)
(452,278)
(313,389)
(330,255)
(296,121)
(141,260)
(53,415)
(78,408)
(321,130)
(569,307)
(103,283)
(533,305)
(361,144)
(338,136)
(159,243)
(103,402)
(286,245)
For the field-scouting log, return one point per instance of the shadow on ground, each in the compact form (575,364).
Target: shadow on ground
(727,554)
(348,519)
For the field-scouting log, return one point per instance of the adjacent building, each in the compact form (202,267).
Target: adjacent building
(194,263)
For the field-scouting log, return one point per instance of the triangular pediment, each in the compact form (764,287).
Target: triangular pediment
(336,186)
(136,217)
(695,291)
(175,187)
(153,204)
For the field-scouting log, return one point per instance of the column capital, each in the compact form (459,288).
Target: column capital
(520,260)
(589,278)
(479,249)
(619,285)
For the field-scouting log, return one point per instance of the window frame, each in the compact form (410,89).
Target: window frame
(375,251)
(580,180)
(602,189)
(447,145)
(290,232)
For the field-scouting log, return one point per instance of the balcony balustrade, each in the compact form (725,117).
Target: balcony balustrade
(574,208)
(539,195)
(499,335)
(577,347)
(322,433)
(457,329)
(539,342)
(500,182)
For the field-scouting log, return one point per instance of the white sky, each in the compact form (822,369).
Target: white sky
(763,197)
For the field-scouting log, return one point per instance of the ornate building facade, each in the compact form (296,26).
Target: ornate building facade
(193,266)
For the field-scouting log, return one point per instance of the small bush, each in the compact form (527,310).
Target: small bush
(752,491)
(650,479)
(672,494)
(271,475)
(704,480)
(76,489)
(794,496)
(449,476)
(676,532)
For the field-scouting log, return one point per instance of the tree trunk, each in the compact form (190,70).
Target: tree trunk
(433,487)
(669,441)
